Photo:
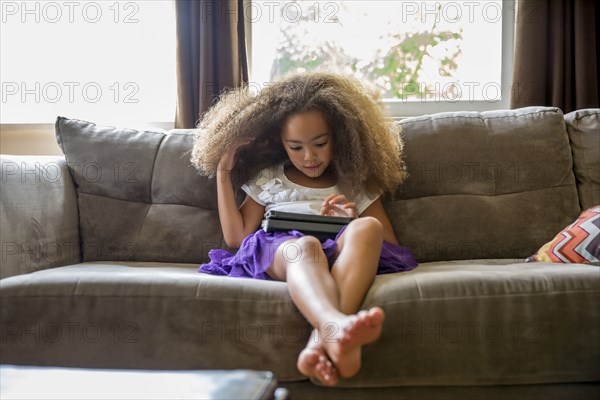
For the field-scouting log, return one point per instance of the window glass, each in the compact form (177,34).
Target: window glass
(414,51)
(96,60)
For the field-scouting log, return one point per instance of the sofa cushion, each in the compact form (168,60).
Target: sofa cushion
(139,197)
(480,184)
(149,315)
(447,323)
(584,132)
(577,243)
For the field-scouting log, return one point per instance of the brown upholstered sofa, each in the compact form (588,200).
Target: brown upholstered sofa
(100,251)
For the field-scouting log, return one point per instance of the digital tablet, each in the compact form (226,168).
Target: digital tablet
(321,226)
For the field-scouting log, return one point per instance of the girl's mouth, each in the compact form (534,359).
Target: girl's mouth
(312,168)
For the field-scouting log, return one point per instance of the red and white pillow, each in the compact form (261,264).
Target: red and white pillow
(577,243)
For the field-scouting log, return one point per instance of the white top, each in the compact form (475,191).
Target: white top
(272,189)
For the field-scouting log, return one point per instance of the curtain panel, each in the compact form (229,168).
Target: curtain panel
(211,54)
(556,54)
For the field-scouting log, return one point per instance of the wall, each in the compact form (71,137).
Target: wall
(28,139)
(39,139)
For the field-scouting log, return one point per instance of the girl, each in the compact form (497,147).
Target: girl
(312,143)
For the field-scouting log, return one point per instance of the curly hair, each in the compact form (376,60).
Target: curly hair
(367,147)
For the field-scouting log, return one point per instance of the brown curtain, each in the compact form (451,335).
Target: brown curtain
(211,54)
(556,54)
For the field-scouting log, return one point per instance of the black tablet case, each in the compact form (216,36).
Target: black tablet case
(322,226)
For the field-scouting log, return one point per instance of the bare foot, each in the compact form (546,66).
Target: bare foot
(345,345)
(364,328)
(313,363)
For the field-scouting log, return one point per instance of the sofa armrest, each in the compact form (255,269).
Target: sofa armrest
(38,214)
(584,133)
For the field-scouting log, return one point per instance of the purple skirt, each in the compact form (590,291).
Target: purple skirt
(257,251)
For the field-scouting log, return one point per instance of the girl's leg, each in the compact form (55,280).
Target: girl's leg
(359,249)
(326,299)
(356,264)
(302,263)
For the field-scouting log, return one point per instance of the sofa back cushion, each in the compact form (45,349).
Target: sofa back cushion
(484,185)
(139,197)
(584,132)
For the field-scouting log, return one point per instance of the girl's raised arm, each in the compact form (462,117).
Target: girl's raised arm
(235,223)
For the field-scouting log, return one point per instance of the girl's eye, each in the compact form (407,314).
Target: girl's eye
(295,148)
(321,144)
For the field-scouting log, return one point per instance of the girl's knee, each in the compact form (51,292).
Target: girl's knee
(309,242)
(278,269)
(308,248)
(368,226)
(295,251)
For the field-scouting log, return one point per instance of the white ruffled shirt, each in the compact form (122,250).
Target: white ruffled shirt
(272,189)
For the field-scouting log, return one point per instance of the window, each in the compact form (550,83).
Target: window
(103,61)
(420,56)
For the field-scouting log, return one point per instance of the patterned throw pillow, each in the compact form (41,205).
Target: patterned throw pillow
(577,243)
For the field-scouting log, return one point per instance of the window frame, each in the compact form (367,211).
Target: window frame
(399,109)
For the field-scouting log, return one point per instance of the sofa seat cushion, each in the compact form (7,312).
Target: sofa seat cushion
(149,315)
(487,322)
(463,322)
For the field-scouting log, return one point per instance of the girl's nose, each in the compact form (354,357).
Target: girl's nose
(308,155)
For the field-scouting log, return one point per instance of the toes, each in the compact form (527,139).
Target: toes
(376,315)
(307,361)
(376,312)
(354,322)
(351,322)
(326,372)
(325,365)
(311,358)
(363,314)
(315,364)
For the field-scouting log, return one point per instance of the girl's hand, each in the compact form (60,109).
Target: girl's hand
(337,205)
(228,160)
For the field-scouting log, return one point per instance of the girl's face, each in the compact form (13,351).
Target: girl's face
(307,140)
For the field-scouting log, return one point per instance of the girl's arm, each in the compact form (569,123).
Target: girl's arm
(376,210)
(236,223)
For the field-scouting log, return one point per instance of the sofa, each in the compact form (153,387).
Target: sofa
(100,251)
